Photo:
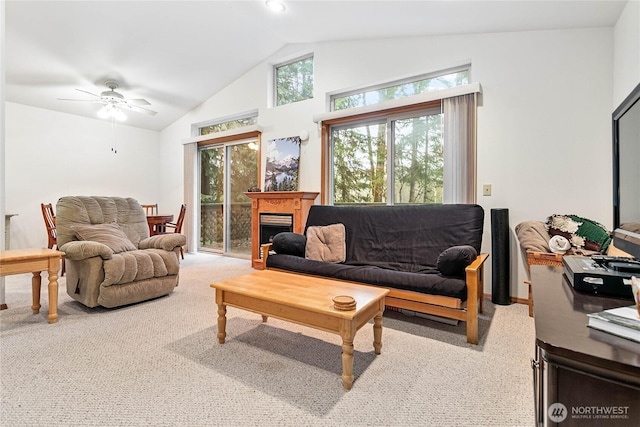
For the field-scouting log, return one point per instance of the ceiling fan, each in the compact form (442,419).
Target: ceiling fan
(113,102)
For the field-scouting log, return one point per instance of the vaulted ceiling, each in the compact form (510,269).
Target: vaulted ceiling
(177,54)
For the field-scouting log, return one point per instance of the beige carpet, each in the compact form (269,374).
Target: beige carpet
(158,363)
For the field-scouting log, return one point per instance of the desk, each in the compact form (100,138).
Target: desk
(156,223)
(576,366)
(34,261)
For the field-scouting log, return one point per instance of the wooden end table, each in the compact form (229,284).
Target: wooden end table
(20,261)
(308,301)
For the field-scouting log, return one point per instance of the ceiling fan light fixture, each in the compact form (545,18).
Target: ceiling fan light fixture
(111,111)
(118,115)
(276,5)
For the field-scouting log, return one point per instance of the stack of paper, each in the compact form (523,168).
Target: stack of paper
(622,321)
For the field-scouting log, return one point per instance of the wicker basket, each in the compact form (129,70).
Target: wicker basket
(544,258)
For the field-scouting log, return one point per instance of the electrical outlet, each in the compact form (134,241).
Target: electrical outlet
(486,190)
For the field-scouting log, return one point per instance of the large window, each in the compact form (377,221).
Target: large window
(294,81)
(390,160)
(421,151)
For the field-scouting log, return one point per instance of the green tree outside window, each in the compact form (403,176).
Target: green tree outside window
(294,81)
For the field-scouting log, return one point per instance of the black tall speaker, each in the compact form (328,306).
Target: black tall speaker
(500,257)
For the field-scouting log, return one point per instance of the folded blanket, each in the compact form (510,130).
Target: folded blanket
(533,236)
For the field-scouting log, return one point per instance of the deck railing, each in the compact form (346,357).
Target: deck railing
(212,227)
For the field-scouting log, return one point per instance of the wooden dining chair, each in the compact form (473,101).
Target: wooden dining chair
(150,209)
(177,226)
(50,222)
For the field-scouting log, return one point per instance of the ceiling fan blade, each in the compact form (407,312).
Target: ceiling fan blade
(141,110)
(96,101)
(138,102)
(92,94)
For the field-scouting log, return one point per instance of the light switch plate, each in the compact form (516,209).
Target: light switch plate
(486,190)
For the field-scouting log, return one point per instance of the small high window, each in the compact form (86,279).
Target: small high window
(401,89)
(294,81)
(228,123)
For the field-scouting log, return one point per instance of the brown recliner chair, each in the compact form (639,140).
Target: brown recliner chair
(110,259)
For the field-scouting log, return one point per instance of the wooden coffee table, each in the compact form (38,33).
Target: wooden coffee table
(308,301)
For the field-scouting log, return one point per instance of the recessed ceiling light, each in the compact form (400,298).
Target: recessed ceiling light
(275,5)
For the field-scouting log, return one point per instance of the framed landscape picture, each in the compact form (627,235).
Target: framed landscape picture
(283,159)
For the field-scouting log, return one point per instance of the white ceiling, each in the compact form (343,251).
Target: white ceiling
(177,54)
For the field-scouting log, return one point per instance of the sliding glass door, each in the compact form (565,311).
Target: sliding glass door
(226,172)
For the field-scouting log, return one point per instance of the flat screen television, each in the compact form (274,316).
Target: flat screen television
(626,174)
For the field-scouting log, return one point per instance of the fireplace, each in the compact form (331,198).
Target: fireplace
(274,223)
(273,212)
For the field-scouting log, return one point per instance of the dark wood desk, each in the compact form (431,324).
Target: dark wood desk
(594,375)
(156,223)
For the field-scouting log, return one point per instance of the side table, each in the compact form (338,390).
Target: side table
(20,261)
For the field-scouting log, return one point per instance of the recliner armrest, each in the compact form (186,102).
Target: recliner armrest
(83,249)
(167,242)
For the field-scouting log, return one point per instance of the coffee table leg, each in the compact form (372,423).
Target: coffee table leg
(36,282)
(347,360)
(222,323)
(377,333)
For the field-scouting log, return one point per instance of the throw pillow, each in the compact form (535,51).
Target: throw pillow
(107,234)
(326,243)
(580,232)
(289,243)
(131,233)
(452,261)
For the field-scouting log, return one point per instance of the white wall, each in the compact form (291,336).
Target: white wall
(51,154)
(544,137)
(626,52)
(2,174)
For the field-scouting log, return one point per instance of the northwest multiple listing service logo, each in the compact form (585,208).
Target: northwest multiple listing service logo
(557,412)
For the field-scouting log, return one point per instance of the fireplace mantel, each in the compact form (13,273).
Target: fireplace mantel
(296,203)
